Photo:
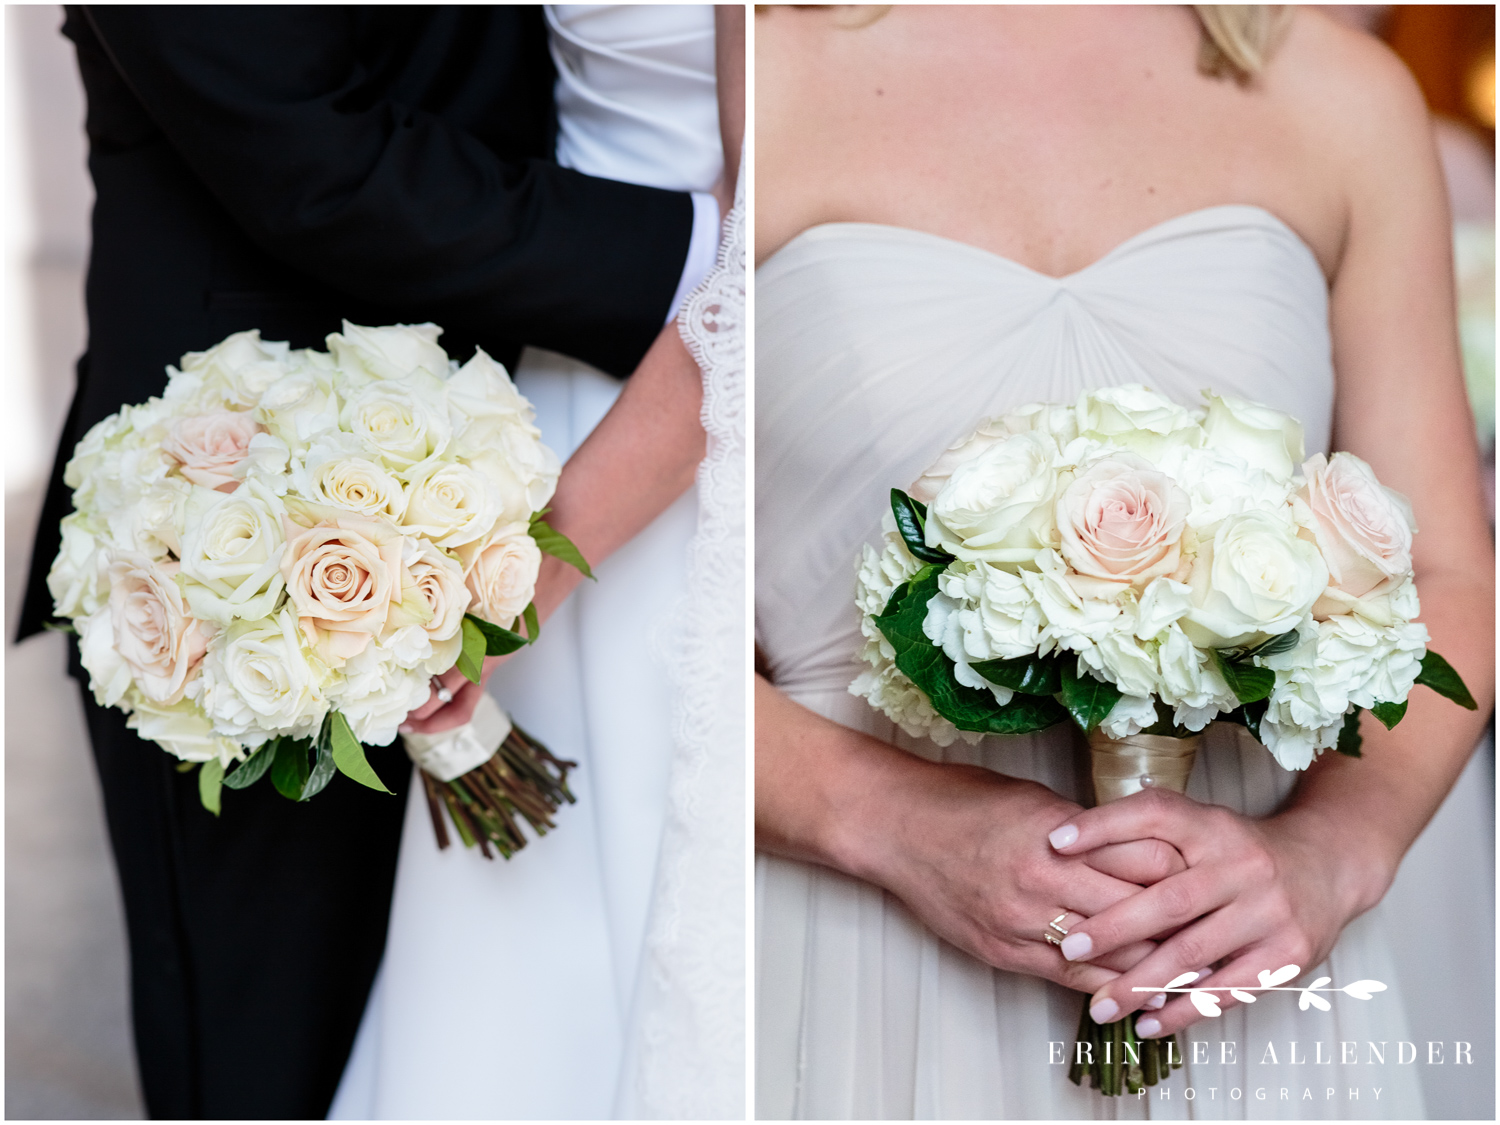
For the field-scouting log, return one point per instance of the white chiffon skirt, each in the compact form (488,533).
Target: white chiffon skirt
(864,1013)
(507,986)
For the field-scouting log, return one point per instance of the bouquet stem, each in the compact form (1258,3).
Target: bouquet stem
(522,781)
(1117,1061)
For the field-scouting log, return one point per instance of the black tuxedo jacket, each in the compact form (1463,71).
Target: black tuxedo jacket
(283,168)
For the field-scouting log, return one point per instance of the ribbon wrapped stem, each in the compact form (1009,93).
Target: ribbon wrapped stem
(1119,1062)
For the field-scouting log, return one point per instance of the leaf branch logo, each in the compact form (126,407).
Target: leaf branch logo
(1208,1004)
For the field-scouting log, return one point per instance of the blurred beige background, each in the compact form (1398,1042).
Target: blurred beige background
(67,1034)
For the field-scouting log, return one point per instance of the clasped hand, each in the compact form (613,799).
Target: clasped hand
(1153,886)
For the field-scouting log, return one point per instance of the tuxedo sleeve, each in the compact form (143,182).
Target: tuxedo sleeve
(269,107)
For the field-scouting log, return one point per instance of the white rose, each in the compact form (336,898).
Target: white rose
(501,573)
(231,553)
(333,475)
(153,523)
(392,352)
(299,407)
(154,633)
(1255,579)
(184,731)
(404,422)
(1136,418)
(1266,439)
(74,579)
(926,487)
(429,622)
(998,507)
(109,675)
(233,373)
(451,504)
(260,681)
(481,396)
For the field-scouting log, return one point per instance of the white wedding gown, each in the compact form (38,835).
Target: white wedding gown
(876,347)
(525,989)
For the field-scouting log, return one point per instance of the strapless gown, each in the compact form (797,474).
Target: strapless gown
(514,989)
(877,347)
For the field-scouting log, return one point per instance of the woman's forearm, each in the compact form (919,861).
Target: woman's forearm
(1371,809)
(635,463)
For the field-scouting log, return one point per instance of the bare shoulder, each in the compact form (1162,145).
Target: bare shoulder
(1351,91)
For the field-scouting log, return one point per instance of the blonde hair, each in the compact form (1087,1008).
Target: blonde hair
(1238,38)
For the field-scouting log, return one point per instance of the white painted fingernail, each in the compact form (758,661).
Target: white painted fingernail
(1147,1027)
(1064,836)
(1156,1002)
(1077,946)
(1104,1011)
(404,728)
(1203,973)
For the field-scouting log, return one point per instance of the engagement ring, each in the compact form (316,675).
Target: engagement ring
(446,696)
(1055,924)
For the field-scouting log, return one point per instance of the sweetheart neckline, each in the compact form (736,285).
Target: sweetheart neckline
(1119,248)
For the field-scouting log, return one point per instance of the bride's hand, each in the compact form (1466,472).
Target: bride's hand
(961,848)
(1260,893)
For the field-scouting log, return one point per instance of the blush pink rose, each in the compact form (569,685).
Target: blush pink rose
(154,632)
(210,446)
(501,573)
(1363,529)
(1122,521)
(343,576)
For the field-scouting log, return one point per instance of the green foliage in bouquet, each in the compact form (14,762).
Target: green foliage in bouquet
(1049,689)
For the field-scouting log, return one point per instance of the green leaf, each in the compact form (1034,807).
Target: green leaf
(253,768)
(471,657)
(533,626)
(349,755)
(210,779)
(1285,642)
(1034,675)
(1089,701)
(1349,737)
(1389,713)
(60,627)
(1439,675)
(290,769)
(911,522)
(929,668)
(552,542)
(497,640)
(1249,683)
(323,767)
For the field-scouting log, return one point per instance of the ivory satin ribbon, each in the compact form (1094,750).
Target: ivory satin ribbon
(1123,766)
(453,753)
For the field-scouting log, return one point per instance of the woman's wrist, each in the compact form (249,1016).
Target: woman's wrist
(1359,861)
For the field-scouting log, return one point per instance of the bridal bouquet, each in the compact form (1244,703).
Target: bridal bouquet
(1139,567)
(267,565)
(1142,570)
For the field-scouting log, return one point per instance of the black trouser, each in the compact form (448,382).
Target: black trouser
(254,936)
